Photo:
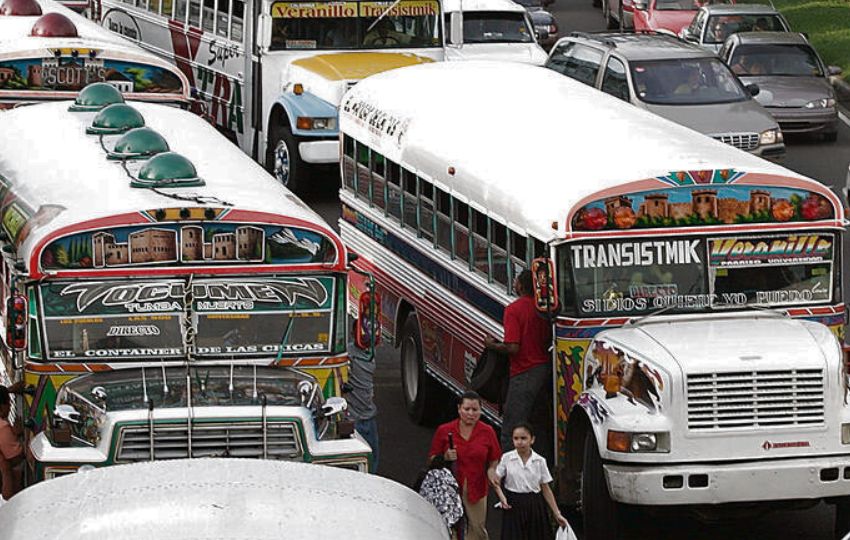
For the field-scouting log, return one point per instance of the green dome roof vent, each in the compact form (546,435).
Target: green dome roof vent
(138,143)
(115,119)
(96,96)
(168,169)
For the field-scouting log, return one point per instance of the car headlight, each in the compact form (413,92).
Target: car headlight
(771,136)
(310,122)
(823,103)
(638,442)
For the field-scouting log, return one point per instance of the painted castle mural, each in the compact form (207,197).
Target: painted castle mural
(703,205)
(201,243)
(68,73)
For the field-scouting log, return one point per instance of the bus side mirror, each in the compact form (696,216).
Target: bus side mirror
(456,28)
(367,327)
(545,294)
(16,322)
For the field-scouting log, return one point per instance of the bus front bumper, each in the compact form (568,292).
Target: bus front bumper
(766,480)
(319,151)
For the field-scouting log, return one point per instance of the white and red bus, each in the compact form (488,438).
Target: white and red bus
(698,313)
(164,296)
(48,52)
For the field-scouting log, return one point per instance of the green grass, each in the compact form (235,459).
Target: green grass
(827,22)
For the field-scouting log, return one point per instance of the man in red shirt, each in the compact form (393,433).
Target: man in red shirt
(528,337)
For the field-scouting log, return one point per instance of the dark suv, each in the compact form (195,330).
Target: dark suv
(679,81)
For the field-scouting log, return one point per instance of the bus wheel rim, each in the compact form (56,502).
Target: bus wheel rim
(411,369)
(281,162)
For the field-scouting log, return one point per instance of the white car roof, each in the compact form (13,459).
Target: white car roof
(220,498)
(527,161)
(481,5)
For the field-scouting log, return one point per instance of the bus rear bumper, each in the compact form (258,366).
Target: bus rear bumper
(319,151)
(768,480)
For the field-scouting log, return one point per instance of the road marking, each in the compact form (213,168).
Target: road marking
(844,118)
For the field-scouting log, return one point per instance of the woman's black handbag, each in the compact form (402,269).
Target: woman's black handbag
(490,376)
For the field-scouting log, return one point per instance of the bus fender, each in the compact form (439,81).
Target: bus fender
(309,105)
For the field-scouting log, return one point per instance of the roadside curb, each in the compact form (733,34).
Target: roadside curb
(842,94)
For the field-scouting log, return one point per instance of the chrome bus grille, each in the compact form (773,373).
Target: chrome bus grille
(209,439)
(755,399)
(742,141)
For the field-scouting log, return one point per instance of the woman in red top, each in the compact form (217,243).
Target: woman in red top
(473,447)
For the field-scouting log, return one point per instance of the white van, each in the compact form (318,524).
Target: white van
(207,499)
(491,30)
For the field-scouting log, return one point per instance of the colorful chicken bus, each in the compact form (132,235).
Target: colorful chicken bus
(274,86)
(48,52)
(164,296)
(697,308)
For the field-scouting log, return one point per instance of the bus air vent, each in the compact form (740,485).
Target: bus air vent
(168,169)
(54,25)
(138,143)
(96,96)
(20,8)
(115,119)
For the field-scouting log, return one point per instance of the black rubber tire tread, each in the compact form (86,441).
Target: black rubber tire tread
(601,515)
(426,408)
(842,518)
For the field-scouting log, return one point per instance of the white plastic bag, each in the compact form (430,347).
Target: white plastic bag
(565,533)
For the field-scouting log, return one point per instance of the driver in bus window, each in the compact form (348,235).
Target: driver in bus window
(383,34)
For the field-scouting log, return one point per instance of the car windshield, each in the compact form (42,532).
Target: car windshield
(684,5)
(777,60)
(697,81)
(355,25)
(722,26)
(496,27)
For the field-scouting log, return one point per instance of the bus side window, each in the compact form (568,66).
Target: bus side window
(348,165)
(222,15)
(444,221)
(195,13)
(394,190)
(410,200)
(539,250)
(480,253)
(378,183)
(237,15)
(208,14)
(499,247)
(364,179)
(519,253)
(461,227)
(426,209)
(180,10)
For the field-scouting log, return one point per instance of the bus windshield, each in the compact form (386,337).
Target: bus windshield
(406,24)
(496,27)
(227,318)
(697,274)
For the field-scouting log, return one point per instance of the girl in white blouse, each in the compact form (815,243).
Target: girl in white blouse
(526,491)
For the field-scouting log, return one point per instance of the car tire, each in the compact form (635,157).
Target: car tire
(420,390)
(283,160)
(842,518)
(600,514)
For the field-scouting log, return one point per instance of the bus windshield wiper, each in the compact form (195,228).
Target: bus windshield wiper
(382,15)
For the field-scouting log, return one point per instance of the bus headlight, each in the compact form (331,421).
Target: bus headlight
(310,123)
(771,136)
(823,103)
(638,442)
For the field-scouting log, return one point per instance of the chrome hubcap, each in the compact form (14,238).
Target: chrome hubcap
(281,162)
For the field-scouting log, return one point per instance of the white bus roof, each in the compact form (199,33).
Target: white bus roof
(481,5)
(51,162)
(527,144)
(220,498)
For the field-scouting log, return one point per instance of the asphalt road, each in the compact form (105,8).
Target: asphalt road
(404,445)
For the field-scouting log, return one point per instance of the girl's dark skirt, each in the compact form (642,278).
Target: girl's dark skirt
(528,518)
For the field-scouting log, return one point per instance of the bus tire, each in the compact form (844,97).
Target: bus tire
(601,514)
(842,518)
(419,389)
(283,159)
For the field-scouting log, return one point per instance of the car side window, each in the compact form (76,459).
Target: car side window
(576,61)
(614,80)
